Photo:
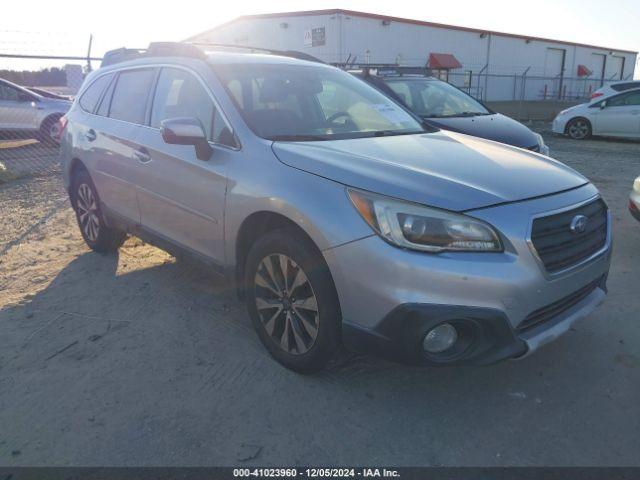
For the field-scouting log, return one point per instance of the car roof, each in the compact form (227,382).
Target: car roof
(410,77)
(183,53)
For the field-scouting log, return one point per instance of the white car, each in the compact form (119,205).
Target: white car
(634,200)
(613,115)
(613,88)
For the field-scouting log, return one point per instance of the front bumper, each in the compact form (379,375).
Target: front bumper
(634,204)
(391,297)
(485,336)
(559,125)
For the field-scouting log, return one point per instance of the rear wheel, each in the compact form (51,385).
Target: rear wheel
(49,133)
(98,236)
(292,301)
(579,129)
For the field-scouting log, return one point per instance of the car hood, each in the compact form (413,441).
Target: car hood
(492,127)
(443,169)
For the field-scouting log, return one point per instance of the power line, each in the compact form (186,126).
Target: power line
(48,57)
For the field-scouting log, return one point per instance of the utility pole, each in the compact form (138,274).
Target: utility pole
(89,53)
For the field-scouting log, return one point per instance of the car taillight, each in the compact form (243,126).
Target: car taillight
(62,124)
(596,95)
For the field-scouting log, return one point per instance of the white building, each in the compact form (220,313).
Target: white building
(492,65)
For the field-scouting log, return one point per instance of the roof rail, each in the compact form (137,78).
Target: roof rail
(387,69)
(121,55)
(383,69)
(155,49)
(271,51)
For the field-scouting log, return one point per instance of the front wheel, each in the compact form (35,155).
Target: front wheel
(292,301)
(97,235)
(579,129)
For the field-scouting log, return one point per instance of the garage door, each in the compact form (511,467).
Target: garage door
(554,69)
(597,65)
(615,67)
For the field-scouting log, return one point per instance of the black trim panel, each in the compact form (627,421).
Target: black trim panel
(485,335)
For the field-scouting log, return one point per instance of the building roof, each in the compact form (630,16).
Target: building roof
(335,11)
(443,60)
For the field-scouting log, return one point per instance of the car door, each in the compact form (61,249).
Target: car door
(17,109)
(182,198)
(619,115)
(111,139)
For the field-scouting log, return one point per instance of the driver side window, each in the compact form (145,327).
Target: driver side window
(180,94)
(625,100)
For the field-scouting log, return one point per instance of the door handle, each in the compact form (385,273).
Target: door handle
(142,155)
(91,135)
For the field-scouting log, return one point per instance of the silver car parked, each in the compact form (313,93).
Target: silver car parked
(339,217)
(28,113)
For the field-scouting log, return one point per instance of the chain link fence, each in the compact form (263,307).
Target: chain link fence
(523,87)
(40,73)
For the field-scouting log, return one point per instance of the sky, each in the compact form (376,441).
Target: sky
(63,28)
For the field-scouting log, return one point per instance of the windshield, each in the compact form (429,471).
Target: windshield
(435,99)
(299,102)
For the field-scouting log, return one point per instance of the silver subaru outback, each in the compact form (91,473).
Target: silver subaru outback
(337,215)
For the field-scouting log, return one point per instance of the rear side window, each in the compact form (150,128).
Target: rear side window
(129,101)
(619,87)
(8,93)
(91,95)
(103,108)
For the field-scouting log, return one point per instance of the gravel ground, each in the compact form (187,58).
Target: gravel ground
(135,359)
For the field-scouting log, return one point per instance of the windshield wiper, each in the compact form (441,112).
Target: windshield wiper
(391,133)
(461,114)
(297,138)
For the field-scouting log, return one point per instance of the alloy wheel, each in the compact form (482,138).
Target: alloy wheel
(88,212)
(54,132)
(579,129)
(286,304)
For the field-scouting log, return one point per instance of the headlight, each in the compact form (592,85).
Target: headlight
(636,185)
(409,225)
(563,112)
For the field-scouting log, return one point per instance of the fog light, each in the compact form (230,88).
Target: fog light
(440,338)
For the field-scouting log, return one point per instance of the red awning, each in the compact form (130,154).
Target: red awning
(445,61)
(583,71)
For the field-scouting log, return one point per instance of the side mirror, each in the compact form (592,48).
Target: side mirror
(187,131)
(603,105)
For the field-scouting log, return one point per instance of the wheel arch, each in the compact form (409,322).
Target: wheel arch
(52,117)
(255,226)
(75,166)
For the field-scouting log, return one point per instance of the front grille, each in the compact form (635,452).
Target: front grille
(558,247)
(551,311)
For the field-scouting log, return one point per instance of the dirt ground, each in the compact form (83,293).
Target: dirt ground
(136,359)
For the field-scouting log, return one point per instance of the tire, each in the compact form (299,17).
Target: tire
(49,132)
(302,333)
(86,203)
(579,128)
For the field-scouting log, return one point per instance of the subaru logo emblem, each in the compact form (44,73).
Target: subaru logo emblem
(579,224)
